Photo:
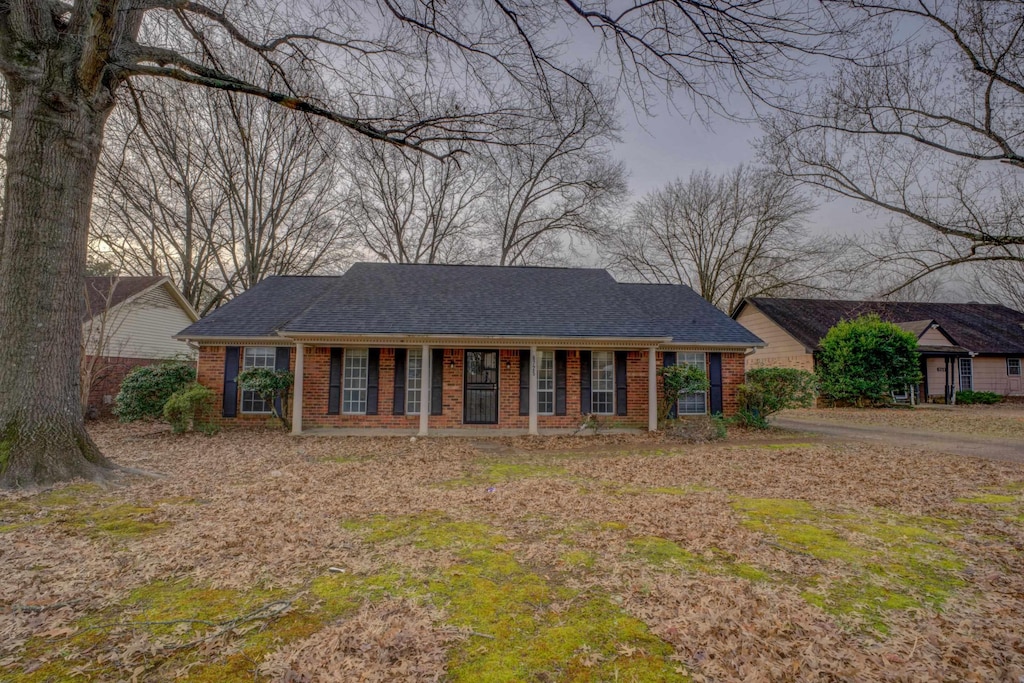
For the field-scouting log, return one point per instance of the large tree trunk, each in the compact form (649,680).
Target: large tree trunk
(52,154)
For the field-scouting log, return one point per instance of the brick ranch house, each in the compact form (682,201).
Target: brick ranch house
(963,346)
(128,322)
(424,347)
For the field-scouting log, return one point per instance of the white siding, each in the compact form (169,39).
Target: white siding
(141,328)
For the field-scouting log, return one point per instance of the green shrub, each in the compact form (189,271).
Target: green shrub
(769,390)
(863,361)
(271,385)
(968,397)
(680,379)
(191,408)
(146,389)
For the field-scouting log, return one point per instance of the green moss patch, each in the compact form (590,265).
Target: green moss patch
(523,626)
(889,562)
(988,499)
(493,473)
(663,552)
(77,508)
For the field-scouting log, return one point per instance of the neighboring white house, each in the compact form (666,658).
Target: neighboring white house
(128,322)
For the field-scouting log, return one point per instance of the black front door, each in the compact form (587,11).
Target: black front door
(481,391)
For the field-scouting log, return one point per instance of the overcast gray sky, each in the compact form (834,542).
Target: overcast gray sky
(665,146)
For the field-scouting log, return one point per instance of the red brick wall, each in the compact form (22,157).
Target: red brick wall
(107,374)
(732,378)
(316,386)
(210,373)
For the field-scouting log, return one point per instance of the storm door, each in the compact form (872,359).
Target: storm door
(481,389)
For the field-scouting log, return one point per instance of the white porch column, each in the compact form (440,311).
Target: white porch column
(425,375)
(533,390)
(652,389)
(297,390)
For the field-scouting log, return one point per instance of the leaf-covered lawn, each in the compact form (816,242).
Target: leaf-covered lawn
(1005,420)
(257,556)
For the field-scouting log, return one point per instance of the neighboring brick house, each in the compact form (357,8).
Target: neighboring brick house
(128,322)
(423,347)
(962,346)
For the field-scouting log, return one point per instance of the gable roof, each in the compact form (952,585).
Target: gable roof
(686,316)
(481,301)
(264,309)
(106,292)
(978,328)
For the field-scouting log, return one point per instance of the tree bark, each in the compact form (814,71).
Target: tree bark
(52,154)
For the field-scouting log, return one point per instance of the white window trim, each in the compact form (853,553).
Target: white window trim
(411,392)
(704,394)
(346,357)
(1019,368)
(553,391)
(245,354)
(960,374)
(593,383)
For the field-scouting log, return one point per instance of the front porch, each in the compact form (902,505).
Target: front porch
(360,389)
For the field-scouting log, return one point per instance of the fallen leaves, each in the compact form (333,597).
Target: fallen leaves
(259,516)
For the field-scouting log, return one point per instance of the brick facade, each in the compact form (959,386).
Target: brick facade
(107,374)
(316,385)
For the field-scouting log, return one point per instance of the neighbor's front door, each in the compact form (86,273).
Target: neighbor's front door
(481,389)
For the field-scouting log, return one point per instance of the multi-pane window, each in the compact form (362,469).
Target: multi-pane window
(546,382)
(257,357)
(1013,367)
(966,374)
(414,381)
(357,363)
(696,403)
(602,383)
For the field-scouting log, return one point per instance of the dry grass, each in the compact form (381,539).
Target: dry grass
(1006,421)
(597,559)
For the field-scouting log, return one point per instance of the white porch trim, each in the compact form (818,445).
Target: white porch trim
(297,390)
(652,389)
(425,384)
(533,390)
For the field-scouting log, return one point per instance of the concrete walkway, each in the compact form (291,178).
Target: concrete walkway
(990,447)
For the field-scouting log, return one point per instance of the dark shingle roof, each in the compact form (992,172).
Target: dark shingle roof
(262,310)
(980,328)
(686,316)
(405,299)
(105,291)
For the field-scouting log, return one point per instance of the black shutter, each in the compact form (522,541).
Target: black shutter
(669,361)
(230,407)
(334,383)
(560,362)
(372,380)
(282,361)
(436,381)
(585,382)
(620,382)
(399,403)
(524,381)
(715,379)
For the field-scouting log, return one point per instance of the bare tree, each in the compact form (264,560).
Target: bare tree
(64,62)
(554,180)
(217,191)
(1000,283)
(927,130)
(409,208)
(728,237)
(159,207)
